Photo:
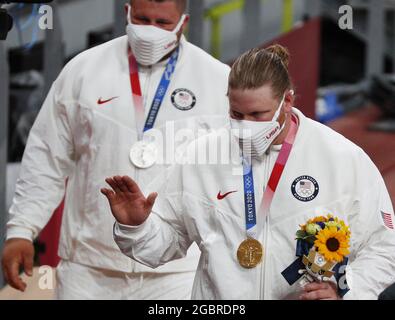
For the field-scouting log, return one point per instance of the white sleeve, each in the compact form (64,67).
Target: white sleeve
(163,237)
(372,269)
(46,163)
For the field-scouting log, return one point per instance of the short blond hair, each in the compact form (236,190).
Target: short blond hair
(181,4)
(259,67)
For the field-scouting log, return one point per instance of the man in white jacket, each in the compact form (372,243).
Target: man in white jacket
(300,169)
(102,117)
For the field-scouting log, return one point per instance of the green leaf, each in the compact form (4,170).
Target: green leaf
(300,234)
(310,239)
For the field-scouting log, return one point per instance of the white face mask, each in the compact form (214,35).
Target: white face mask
(255,137)
(149,43)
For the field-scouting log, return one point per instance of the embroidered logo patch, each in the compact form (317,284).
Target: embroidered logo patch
(183,99)
(305,188)
(223,196)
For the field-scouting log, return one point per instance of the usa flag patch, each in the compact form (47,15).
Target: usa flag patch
(387,218)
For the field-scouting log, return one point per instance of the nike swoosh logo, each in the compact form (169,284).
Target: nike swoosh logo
(222,196)
(100,101)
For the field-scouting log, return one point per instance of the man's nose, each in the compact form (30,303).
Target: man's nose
(250,118)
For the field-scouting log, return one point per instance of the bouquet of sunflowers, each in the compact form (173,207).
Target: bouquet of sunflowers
(326,239)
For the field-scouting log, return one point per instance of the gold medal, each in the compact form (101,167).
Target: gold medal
(250,253)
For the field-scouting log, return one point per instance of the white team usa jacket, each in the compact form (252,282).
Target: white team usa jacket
(191,207)
(84,133)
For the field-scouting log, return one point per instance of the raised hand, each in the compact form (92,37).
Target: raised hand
(128,204)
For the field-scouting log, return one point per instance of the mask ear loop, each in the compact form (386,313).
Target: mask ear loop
(128,14)
(180,23)
(276,115)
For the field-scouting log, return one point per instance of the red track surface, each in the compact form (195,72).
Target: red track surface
(380,146)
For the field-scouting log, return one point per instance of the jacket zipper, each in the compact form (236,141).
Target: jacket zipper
(137,170)
(262,293)
(263,278)
(145,102)
(146,91)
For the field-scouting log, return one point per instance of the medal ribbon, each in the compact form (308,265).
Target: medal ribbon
(249,193)
(159,95)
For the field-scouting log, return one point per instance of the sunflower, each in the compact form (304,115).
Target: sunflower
(317,219)
(321,220)
(332,243)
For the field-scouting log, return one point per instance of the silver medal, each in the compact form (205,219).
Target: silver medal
(143,154)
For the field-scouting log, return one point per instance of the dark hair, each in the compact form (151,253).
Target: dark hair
(182,4)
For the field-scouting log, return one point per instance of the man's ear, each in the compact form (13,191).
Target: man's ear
(185,24)
(126,7)
(186,21)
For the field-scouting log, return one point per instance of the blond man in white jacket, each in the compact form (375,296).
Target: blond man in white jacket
(300,169)
(97,121)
